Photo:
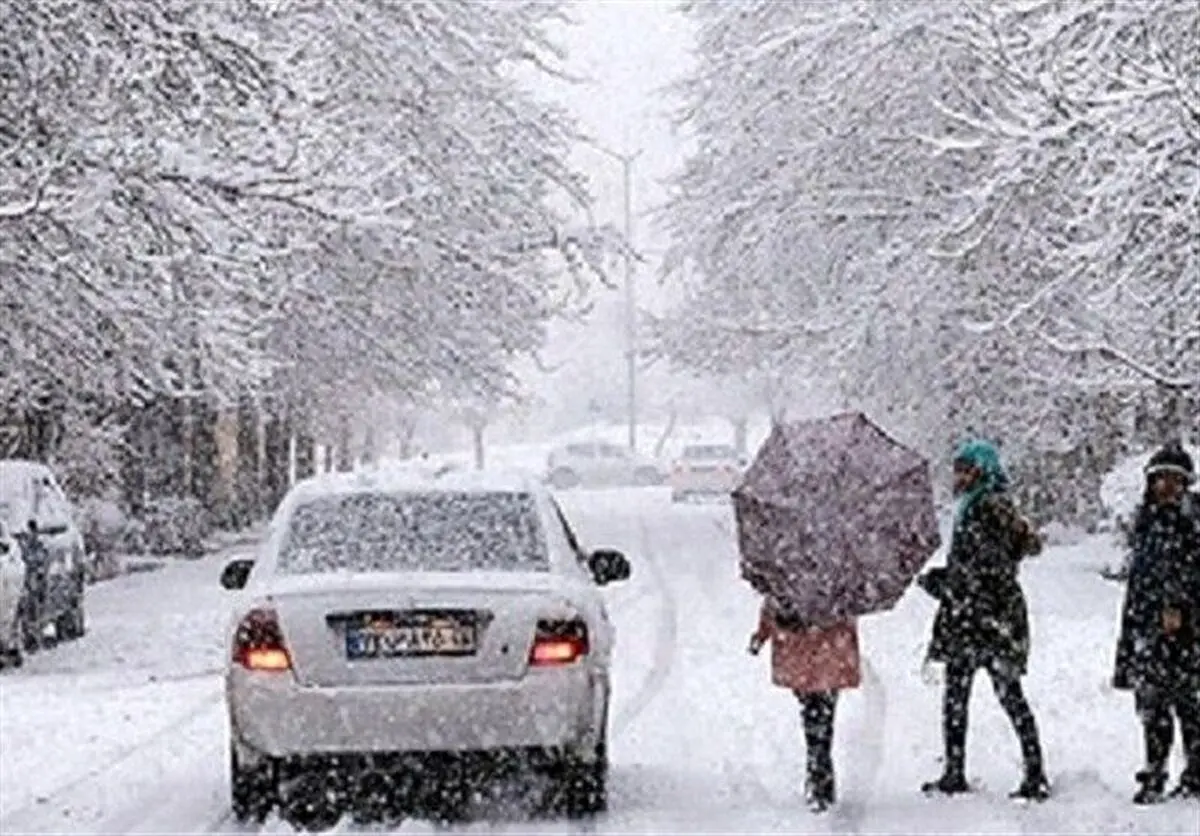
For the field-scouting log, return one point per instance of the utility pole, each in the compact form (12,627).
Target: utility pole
(631,347)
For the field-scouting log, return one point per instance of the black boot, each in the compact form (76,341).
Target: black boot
(819,794)
(1035,787)
(952,782)
(1189,785)
(1151,786)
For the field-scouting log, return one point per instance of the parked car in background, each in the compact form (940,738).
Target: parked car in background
(37,514)
(706,470)
(400,638)
(12,585)
(593,464)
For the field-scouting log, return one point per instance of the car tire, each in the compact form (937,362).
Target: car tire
(253,792)
(73,623)
(563,478)
(584,785)
(645,477)
(11,655)
(32,634)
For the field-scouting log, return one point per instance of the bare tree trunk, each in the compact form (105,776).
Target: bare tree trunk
(204,458)
(133,460)
(306,446)
(345,456)
(248,480)
(477,431)
(668,431)
(408,431)
(370,446)
(276,443)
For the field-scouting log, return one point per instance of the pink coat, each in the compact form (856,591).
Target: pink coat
(812,659)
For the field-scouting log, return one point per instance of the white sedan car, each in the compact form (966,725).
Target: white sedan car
(12,585)
(706,470)
(394,627)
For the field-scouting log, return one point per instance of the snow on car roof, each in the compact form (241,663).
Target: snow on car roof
(410,478)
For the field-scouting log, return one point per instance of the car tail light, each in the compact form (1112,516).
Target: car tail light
(559,643)
(258,644)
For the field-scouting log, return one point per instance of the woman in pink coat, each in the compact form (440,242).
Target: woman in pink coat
(815,663)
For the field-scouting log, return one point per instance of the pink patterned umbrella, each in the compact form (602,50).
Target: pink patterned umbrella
(835,518)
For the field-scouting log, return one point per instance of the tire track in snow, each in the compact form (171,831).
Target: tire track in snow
(665,646)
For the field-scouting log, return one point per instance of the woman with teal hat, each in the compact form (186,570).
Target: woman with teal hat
(982,619)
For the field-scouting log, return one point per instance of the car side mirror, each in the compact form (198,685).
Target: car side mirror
(4,547)
(608,565)
(236,573)
(51,529)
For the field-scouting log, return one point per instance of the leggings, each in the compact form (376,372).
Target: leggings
(1155,706)
(818,710)
(955,709)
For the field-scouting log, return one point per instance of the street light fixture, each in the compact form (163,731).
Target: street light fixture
(626,160)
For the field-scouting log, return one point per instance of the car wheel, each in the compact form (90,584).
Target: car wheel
(32,631)
(72,624)
(644,477)
(11,655)
(584,785)
(564,478)
(253,792)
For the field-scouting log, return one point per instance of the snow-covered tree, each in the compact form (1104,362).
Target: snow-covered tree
(285,206)
(971,217)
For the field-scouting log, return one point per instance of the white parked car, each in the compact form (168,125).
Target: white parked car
(12,584)
(600,464)
(392,623)
(38,515)
(706,470)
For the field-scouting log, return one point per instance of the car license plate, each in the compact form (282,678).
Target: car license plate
(386,640)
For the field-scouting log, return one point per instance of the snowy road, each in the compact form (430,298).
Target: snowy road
(124,731)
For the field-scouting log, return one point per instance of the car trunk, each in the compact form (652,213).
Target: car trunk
(403,628)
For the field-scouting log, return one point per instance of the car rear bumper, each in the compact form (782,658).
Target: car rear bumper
(546,709)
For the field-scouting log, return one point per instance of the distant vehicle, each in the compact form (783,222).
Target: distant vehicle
(706,470)
(394,623)
(600,464)
(37,515)
(12,585)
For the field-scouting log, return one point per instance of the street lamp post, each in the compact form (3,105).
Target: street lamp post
(626,161)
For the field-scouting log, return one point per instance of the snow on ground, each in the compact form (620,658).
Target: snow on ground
(123,731)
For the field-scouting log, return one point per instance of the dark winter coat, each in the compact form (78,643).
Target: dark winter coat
(1164,573)
(982,619)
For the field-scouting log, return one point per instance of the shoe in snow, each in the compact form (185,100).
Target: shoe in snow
(947,785)
(819,796)
(1034,788)
(1189,788)
(1151,788)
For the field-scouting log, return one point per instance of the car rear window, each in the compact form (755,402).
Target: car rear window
(709,451)
(415,532)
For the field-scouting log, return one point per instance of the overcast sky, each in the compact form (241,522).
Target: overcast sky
(627,49)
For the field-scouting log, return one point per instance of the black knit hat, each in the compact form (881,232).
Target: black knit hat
(1172,459)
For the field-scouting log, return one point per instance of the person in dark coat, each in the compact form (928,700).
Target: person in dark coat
(982,619)
(1158,649)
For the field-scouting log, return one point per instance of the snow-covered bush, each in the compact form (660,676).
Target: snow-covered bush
(102,524)
(173,526)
